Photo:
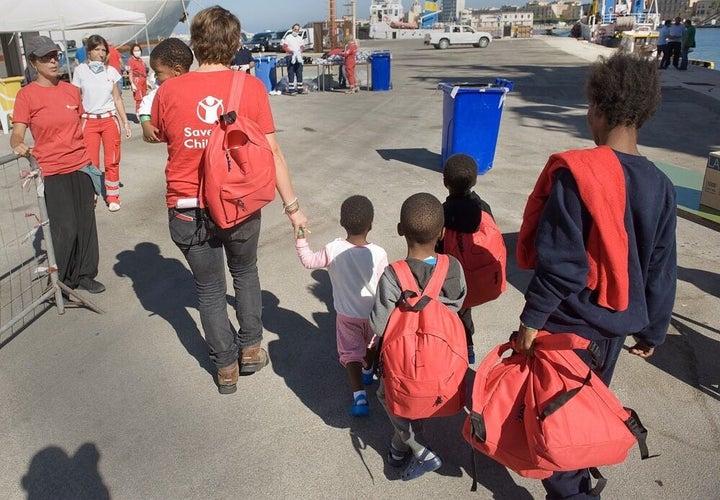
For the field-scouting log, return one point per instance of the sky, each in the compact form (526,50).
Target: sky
(261,15)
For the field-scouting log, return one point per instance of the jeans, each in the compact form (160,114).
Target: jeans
(202,244)
(673,53)
(684,58)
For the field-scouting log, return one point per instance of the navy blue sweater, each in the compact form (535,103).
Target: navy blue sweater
(557,298)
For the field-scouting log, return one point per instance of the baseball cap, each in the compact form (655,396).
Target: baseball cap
(41,46)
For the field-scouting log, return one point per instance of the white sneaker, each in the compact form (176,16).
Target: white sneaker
(113,206)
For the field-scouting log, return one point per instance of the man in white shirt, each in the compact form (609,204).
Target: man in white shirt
(293,44)
(675,42)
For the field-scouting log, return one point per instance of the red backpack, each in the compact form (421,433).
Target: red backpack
(549,412)
(483,257)
(424,351)
(238,165)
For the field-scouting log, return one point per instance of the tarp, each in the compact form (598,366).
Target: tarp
(55,15)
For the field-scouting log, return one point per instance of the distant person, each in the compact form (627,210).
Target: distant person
(170,58)
(179,111)
(243,60)
(463,210)
(81,52)
(674,44)
(114,59)
(663,54)
(688,43)
(599,232)
(138,75)
(421,224)
(349,55)
(104,115)
(51,109)
(293,44)
(355,267)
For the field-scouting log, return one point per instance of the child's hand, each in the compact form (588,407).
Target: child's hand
(150,132)
(301,233)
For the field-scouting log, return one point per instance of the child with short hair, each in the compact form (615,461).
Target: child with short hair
(170,58)
(355,267)
(421,223)
(463,210)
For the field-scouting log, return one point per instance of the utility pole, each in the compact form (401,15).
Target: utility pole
(331,25)
(354,20)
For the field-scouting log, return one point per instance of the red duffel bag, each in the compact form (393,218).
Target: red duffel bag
(549,412)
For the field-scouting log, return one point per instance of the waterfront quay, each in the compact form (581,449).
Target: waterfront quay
(124,403)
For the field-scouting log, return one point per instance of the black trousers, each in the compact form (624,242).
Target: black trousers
(70,200)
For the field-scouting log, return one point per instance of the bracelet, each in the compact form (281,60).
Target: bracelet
(145,118)
(292,207)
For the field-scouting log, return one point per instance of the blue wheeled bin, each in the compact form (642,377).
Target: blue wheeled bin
(380,70)
(471,119)
(265,70)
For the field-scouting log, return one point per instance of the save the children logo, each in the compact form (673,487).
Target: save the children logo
(208,111)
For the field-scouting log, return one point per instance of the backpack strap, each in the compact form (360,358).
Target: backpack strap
(236,89)
(409,287)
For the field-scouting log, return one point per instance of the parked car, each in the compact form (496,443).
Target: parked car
(457,34)
(275,43)
(259,41)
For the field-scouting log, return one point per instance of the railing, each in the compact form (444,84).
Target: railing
(28,271)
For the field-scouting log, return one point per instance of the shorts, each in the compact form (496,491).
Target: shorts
(354,337)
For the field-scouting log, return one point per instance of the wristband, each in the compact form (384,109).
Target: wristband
(528,327)
(144,118)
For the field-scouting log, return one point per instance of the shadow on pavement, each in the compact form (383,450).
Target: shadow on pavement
(53,474)
(420,157)
(165,287)
(517,277)
(706,281)
(691,356)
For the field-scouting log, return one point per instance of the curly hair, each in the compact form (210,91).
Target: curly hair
(625,88)
(356,214)
(460,173)
(422,218)
(171,52)
(215,35)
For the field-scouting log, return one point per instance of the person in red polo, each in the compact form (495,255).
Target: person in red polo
(51,109)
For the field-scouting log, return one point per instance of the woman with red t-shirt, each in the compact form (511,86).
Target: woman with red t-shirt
(51,109)
(138,76)
(104,113)
(184,111)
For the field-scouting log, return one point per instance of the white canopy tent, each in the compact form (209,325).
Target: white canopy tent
(60,16)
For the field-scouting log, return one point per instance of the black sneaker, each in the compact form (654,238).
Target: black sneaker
(90,285)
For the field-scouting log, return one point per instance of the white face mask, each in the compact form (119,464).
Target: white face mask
(96,66)
(137,53)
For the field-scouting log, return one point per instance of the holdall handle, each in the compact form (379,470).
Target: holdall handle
(487,364)
(546,341)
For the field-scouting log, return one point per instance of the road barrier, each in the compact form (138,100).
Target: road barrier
(28,274)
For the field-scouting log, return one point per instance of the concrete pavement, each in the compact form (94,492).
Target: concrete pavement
(124,403)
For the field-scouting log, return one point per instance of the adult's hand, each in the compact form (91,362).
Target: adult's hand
(22,149)
(128,132)
(298,220)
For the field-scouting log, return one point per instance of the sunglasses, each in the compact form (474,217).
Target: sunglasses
(52,56)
